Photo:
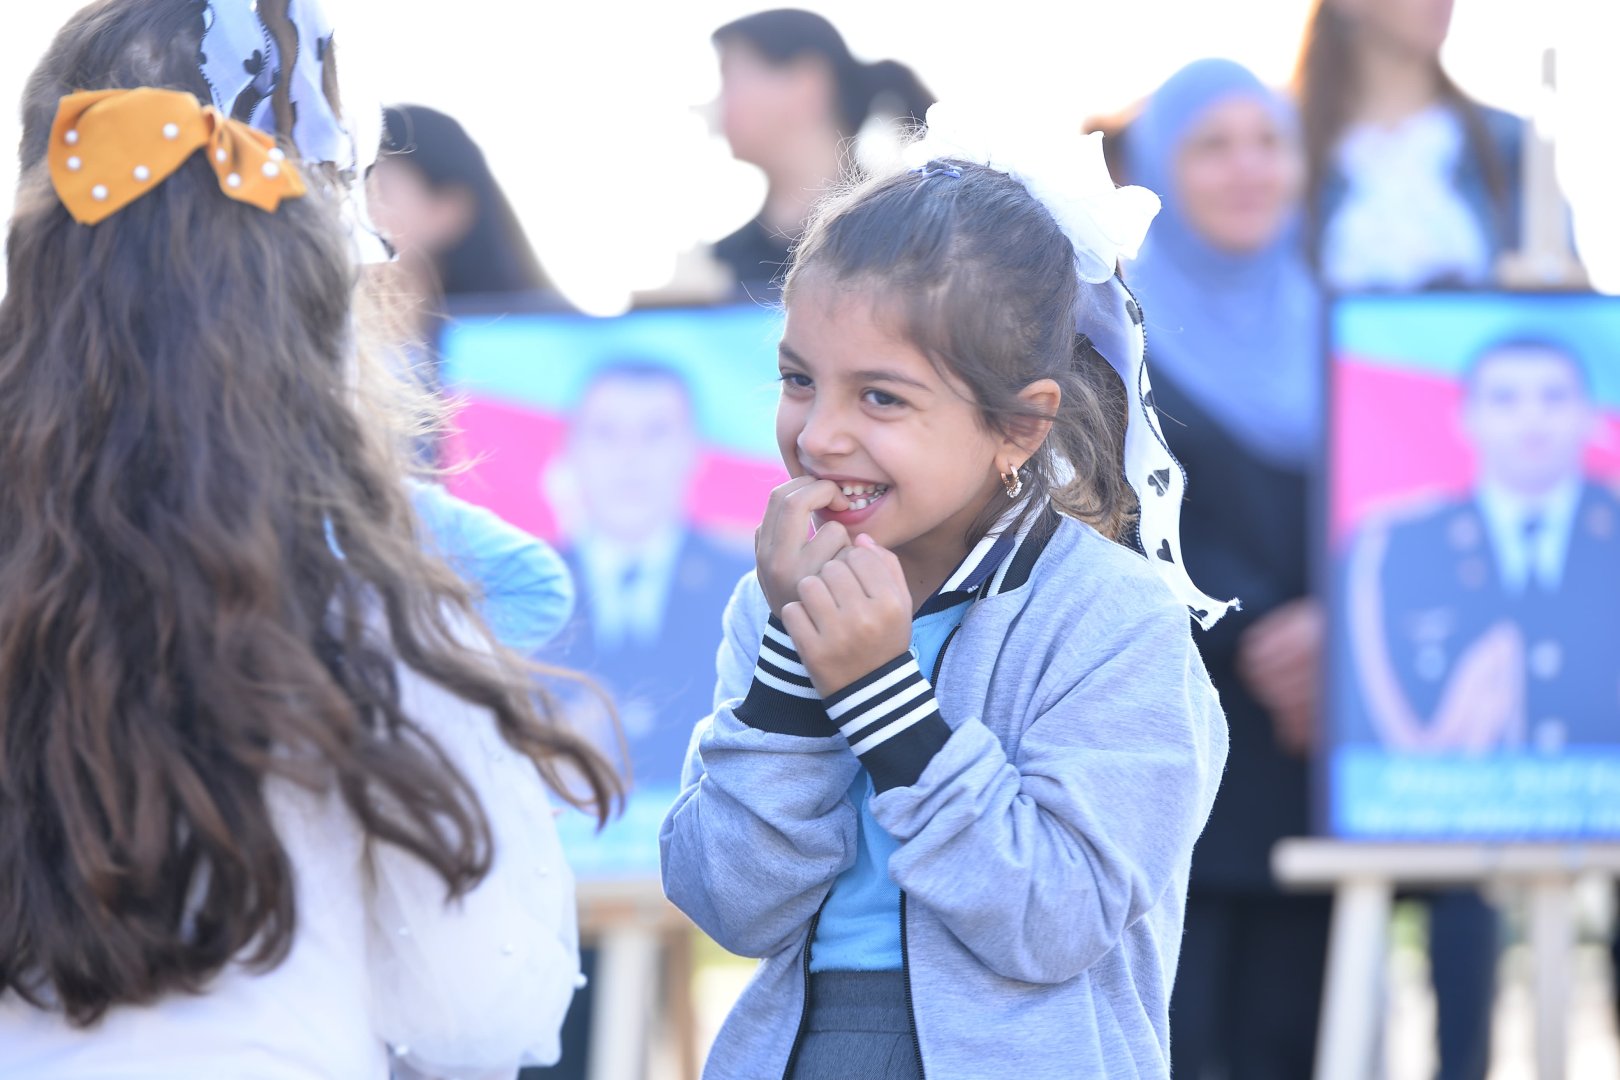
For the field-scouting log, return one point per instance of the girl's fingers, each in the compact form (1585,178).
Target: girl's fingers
(800,503)
(787,514)
(817,601)
(842,583)
(792,527)
(773,506)
(800,627)
(877,570)
(829,540)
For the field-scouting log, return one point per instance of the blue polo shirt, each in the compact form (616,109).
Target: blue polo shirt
(859,928)
(860,924)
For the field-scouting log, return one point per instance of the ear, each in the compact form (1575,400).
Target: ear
(1025,434)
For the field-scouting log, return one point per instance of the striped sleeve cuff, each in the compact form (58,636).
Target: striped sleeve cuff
(891,721)
(781,698)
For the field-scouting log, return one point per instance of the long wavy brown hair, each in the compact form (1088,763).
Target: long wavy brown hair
(210,572)
(1325,85)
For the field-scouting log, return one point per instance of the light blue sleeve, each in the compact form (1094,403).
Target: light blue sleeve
(1040,862)
(762,825)
(524,588)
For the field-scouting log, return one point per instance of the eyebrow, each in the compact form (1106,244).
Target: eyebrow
(866,375)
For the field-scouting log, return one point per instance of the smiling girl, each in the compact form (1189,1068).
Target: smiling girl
(962,742)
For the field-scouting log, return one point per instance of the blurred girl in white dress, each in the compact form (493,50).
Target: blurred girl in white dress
(273,801)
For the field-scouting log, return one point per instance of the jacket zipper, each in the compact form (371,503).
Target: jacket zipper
(905,952)
(939,661)
(804,1011)
(905,972)
(905,957)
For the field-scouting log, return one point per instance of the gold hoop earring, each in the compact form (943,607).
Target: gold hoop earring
(1014,483)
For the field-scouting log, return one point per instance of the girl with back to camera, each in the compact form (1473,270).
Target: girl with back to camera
(274,802)
(962,742)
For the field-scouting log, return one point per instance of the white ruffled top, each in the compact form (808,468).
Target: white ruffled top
(1403,223)
(382,974)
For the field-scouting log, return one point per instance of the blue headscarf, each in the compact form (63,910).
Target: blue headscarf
(1238,333)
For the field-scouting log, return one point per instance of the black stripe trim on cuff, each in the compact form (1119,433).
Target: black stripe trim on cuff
(781,698)
(892,722)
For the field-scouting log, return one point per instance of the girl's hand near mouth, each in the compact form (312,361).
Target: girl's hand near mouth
(852,617)
(784,550)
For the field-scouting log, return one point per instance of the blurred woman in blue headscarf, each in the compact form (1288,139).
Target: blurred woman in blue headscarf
(1232,319)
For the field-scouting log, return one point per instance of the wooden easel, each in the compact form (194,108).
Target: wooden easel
(1364,876)
(635,929)
(1544,259)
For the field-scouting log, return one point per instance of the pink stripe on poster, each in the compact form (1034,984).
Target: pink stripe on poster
(512,450)
(508,449)
(1397,438)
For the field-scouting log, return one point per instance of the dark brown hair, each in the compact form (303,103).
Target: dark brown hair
(786,35)
(494,256)
(210,572)
(1326,85)
(982,280)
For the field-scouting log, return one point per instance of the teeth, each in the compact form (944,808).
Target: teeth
(862,495)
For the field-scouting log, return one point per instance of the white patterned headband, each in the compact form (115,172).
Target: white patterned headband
(1103,222)
(245,66)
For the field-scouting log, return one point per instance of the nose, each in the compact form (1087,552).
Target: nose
(826,434)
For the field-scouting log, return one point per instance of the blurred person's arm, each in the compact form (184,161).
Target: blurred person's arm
(525,590)
(1280,659)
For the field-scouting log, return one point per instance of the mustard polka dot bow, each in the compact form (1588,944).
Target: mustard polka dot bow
(110,147)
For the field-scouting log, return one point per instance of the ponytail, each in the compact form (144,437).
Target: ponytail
(885,82)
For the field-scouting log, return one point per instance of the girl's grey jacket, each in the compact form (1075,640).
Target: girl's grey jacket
(1046,788)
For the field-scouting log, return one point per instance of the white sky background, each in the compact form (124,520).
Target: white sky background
(593,114)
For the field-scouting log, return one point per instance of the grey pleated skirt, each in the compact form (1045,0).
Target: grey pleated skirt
(858,1028)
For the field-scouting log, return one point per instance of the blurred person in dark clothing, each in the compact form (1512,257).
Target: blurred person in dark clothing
(1232,337)
(791,95)
(435,200)
(1411,182)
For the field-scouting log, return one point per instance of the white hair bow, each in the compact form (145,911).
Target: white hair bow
(1104,223)
(1066,174)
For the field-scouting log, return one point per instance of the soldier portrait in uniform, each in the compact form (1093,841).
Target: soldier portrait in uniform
(652,583)
(642,446)
(1489,620)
